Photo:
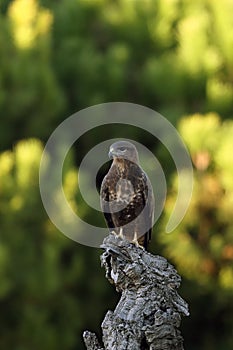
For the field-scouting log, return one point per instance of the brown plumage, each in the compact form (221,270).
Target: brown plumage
(126,196)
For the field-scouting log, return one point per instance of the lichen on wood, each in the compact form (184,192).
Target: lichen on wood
(148,314)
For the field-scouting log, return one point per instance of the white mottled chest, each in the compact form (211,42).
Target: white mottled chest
(124,191)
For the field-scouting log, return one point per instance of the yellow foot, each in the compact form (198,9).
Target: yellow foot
(135,241)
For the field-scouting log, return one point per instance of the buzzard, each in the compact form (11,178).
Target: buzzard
(126,196)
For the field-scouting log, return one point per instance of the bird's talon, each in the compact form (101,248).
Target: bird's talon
(113,233)
(121,233)
(135,242)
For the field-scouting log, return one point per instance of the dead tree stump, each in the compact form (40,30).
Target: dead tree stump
(148,314)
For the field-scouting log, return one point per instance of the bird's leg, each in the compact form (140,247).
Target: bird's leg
(135,241)
(113,232)
(121,233)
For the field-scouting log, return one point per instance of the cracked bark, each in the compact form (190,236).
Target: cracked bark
(148,314)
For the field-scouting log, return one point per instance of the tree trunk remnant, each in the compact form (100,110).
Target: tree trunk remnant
(148,315)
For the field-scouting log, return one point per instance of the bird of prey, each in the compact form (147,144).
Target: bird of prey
(126,196)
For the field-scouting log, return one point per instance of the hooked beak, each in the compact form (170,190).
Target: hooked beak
(113,153)
(110,154)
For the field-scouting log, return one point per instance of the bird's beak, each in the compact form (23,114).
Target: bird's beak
(110,155)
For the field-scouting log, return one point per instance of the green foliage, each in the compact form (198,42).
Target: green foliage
(42,273)
(202,246)
(174,56)
(30,97)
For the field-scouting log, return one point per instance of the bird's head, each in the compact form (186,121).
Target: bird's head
(123,150)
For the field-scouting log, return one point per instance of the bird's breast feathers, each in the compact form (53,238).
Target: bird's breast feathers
(124,191)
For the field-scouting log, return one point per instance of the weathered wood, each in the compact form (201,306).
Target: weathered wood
(148,314)
(91,341)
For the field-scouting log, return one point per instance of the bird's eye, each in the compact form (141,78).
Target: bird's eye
(122,149)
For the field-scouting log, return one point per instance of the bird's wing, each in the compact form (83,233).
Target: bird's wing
(148,200)
(151,206)
(104,202)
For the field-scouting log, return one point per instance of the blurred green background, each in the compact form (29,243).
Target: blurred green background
(57,57)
